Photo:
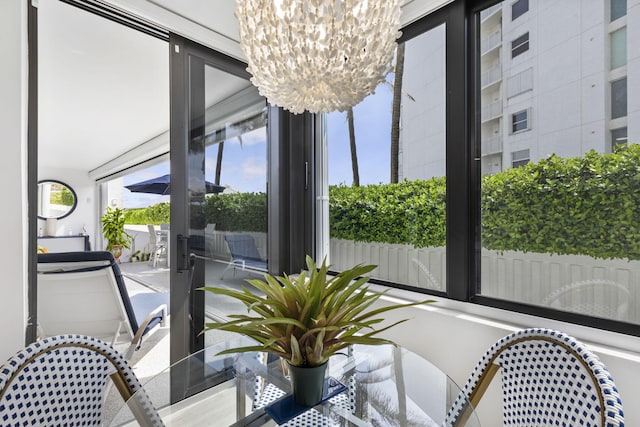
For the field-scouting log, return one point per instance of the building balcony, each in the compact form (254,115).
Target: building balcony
(492,145)
(491,42)
(491,76)
(492,111)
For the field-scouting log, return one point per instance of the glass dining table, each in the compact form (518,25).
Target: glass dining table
(371,386)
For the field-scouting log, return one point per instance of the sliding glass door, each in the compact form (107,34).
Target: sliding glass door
(219,192)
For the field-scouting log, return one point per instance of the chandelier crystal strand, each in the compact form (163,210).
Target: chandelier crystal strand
(318,55)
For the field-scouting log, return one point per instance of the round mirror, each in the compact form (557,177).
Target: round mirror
(55,199)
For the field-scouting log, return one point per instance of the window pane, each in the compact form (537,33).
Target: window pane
(518,8)
(395,222)
(558,209)
(519,158)
(619,136)
(619,98)
(619,48)
(618,9)
(520,45)
(519,121)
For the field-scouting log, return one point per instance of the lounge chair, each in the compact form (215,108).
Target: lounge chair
(244,254)
(84,293)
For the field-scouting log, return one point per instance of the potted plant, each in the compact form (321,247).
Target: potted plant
(307,319)
(113,231)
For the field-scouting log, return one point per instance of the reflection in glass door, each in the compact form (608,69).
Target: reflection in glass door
(235,233)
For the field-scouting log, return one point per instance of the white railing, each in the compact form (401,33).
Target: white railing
(491,145)
(491,41)
(492,110)
(524,277)
(491,75)
(490,11)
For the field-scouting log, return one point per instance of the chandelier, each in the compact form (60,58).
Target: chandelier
(318,55)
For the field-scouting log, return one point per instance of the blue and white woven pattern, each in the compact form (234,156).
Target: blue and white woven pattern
(548,378)
(60,381)
(265,393)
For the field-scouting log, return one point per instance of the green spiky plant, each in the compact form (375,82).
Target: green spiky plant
(113,222)
(307,319)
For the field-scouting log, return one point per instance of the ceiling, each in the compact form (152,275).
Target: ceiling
(104,88)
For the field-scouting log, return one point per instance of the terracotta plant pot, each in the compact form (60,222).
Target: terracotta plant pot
(307,384)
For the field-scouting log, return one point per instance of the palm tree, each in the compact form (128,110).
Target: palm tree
(352,144)
(395,112)
(219,162)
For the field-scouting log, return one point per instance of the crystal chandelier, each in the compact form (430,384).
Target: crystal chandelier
(318,55)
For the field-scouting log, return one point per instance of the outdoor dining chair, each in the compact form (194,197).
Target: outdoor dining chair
(85,293)
(159,247)
(63,380)
(548,378)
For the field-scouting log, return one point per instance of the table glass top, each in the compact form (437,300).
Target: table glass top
(384,386)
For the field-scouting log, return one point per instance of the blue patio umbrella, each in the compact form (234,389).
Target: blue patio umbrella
(162,185)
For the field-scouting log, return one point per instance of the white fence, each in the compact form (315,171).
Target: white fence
(571,282)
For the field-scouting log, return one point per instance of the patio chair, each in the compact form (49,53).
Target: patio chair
(595,297)
(63,380)
(244,254)
(84,293)
(158,246)
(548,378)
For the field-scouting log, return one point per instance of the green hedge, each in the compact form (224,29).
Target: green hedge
(585,205)
(412,212)
(237,212)
(156,214)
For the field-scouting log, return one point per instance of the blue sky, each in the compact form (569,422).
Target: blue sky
(244,167)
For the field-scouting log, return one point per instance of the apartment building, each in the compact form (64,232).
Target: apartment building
(556,78)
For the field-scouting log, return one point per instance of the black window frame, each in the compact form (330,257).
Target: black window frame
(520,45)
(463,166)
(519,8)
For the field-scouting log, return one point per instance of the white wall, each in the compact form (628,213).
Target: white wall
(86,213)
(13,120)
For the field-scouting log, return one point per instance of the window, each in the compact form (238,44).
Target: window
(520,83)
(519,158)
(618,136)
(518,8)
(387,206)
(520,45)
(619,48)
(520,121)
(618,9)
(619,98)
(553,236)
